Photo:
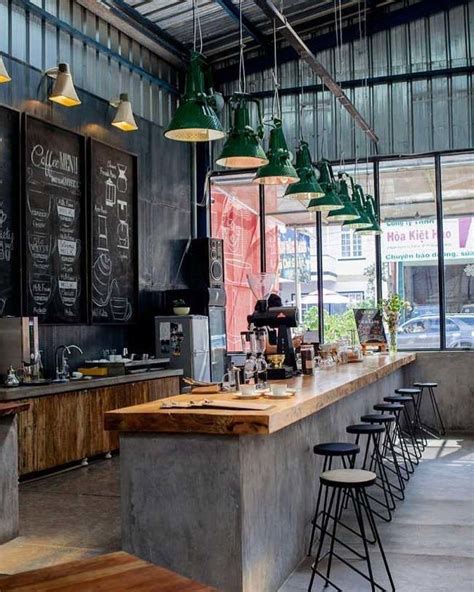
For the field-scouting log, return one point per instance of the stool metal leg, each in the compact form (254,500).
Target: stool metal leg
(316,512)
(436,411)
(324,528)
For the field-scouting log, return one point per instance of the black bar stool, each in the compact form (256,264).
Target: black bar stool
(408,432)
(347,452)
(373,458)
(414,393)
(430,386)
(351,483)
(400,446)
(388,449)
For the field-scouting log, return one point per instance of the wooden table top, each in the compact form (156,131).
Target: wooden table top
(10,408)
(313,394)
(115,572)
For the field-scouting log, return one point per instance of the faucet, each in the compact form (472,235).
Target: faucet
(61,363)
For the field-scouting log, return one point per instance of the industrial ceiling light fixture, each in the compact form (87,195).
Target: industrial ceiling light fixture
(195,119)
(63,91)
(4,76)
(348,211)
(358,200)
(243,148)
(330,201)
(371,213)
(279,170)
(124,118)
(307,188)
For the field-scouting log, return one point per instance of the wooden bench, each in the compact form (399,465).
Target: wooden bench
(116,572)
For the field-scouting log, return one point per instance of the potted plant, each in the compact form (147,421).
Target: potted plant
(180,308)
(391,308)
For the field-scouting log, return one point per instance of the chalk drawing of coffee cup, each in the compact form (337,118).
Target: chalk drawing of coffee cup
(69,249)
(41,287)
(3,217)
(102,282)
(39,205)
(122,181)
(69,291)
(41,246)
(121,308)
(66,210)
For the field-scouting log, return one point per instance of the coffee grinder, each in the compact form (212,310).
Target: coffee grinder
(282,318)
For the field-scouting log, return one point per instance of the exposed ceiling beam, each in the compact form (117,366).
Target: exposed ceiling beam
(251,29)
(287,31)
(378,19)
(132,23)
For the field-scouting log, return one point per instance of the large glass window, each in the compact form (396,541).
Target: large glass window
(235,219)
(457,182)
(410,247)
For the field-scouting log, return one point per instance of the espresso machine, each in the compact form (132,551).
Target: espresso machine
(282,318)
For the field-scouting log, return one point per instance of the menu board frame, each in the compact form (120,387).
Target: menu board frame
(83,235)
(16,281)
(92,196)
(378,338)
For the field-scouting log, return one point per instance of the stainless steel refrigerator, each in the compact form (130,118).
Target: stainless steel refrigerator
(185,341)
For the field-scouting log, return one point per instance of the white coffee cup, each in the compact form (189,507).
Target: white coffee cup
(247,389)
(279,389)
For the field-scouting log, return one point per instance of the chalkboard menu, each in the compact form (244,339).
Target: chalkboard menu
(113,281)
(10,281)
(54,223)
(369,325)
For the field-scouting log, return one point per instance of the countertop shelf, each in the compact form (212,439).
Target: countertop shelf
(313,394)
(27,392)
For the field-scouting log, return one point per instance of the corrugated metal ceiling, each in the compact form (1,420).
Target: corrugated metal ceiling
(220,29)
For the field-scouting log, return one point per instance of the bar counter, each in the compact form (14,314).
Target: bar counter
(226,497)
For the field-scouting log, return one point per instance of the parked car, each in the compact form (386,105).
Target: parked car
(468,308)
(424,332)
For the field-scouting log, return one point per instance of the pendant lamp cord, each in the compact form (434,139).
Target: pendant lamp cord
(301,104)
(196,26)
(242,82)
(276,109)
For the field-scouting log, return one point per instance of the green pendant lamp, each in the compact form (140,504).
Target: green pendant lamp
(348,211)
(330,200)
(370,211)
(195,119)
(307,187)
(363,221)
(243,148)
(279,170)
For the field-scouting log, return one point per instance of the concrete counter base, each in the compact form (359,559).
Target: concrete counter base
(232,512)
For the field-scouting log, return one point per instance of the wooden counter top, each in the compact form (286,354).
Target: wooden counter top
(314,393)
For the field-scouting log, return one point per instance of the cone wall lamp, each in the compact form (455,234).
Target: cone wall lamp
(243,148)
(124,119)
(4,76)
(195,119)
(63,91)
(279,170)
(307,187)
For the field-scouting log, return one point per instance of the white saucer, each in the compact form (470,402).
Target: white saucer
(254,395)
(289,393)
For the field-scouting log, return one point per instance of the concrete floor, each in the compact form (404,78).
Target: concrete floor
(430,543)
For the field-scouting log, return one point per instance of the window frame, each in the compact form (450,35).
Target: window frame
(375,162)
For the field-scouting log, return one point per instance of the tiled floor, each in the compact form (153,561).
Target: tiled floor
(430,542)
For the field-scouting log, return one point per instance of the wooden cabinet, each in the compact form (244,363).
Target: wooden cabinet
(66,427)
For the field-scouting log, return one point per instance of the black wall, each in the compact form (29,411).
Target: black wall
(164,211)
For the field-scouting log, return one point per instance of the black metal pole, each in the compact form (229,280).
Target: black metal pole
(378,239)
(263,244)
(320,271)
(440,234)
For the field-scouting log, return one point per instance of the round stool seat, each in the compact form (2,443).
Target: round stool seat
(398,399)
(388,407)
(408,391)
(365,428)
(426,384)
(336,449)
(378,418)
(348,478)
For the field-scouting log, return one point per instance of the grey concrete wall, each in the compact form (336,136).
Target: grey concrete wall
(454,373)
(232,512)
(9,517)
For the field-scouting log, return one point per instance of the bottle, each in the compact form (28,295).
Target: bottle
(249,369)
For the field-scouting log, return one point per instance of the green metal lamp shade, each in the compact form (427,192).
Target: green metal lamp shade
(195,119)
(326,176)
(348,211)
(307,187)
(243,148)
(363,221)
(370,210)
(327,203)
(279,170)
